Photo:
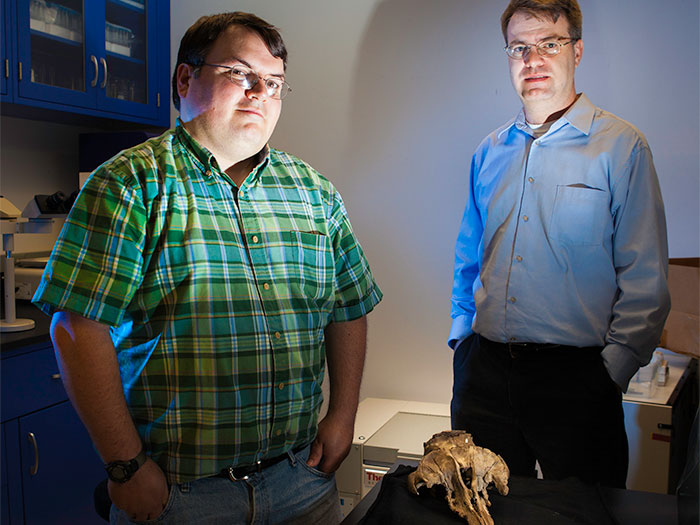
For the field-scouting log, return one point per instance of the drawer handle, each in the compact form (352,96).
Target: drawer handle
(35,467)
(55,376)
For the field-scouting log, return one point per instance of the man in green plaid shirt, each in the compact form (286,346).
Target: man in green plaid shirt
(201,280)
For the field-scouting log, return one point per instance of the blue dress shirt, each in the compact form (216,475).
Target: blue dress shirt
(563,240)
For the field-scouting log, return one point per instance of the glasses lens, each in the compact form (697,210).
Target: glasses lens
(283,90)
(242,76)
(276,88)
(516,51)
(548,47)
(272,87)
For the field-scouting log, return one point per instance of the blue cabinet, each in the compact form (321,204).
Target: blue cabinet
(49,467)
(6,52)
(69,479)
(104,58)
(5,497)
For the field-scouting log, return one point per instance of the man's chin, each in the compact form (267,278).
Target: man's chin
(251,140)
(535,94)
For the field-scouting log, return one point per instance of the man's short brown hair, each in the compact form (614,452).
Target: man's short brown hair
(200,37)
(548,9)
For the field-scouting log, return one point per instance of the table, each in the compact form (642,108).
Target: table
(629,507)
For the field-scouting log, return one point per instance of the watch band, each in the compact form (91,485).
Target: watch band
(122,471)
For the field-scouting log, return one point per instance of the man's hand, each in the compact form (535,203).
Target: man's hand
(144,496)
(332,444)
(345,356)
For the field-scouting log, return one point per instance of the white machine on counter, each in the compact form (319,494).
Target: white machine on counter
(649,406)
(12,222)
(386,431)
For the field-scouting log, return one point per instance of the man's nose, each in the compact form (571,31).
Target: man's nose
(257,90)
(532,58)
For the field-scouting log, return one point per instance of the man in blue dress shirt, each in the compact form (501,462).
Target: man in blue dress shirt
(560,288)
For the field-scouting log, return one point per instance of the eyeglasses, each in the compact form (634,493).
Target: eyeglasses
(247,78)
(546,48)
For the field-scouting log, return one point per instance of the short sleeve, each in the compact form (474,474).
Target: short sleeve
(356,292)
(96,265)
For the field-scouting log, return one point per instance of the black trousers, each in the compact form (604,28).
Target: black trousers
(556,405)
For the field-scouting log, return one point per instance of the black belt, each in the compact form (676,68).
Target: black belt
(531,347)
(521,349)
(244,472)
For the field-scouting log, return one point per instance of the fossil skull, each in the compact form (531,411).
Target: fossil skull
(451,459)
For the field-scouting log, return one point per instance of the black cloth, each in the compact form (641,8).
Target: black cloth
(554,404)
(529,502)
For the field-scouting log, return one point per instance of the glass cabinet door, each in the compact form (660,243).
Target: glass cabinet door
(52,52)
(4,50)
(95,54)
(128,86)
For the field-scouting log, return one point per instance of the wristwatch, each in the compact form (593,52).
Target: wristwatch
(122,471)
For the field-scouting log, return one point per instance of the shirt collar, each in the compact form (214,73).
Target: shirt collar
(199,152)
(580,115)
(207,159)
(262,160)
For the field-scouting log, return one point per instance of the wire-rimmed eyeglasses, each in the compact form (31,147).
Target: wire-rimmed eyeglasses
(549,47)
(247,78)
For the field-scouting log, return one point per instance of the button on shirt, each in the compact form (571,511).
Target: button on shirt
(217,297)
(563,240)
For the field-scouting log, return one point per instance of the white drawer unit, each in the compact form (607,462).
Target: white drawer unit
(386,431)
(656,425)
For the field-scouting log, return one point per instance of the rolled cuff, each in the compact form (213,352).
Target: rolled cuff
(51,298)
(350,312)
(621,364)
(461,329)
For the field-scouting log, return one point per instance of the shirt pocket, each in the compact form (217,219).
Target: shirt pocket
(308,264)
(580,215)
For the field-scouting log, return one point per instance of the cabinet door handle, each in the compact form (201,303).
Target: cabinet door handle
(94,63)
(104,80)
(35,468)
(55,376)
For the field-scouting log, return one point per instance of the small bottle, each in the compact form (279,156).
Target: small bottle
(662,374)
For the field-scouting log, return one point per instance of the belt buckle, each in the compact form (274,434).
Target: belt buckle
(232,476)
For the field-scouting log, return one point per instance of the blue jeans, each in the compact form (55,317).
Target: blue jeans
(288,492)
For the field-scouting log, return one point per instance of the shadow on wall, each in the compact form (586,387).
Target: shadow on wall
(423,96)
(427,87)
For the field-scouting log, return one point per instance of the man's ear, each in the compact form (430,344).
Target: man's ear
(185,73)
(578,51)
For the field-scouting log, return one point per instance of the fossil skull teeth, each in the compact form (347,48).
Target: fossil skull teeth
(451,456)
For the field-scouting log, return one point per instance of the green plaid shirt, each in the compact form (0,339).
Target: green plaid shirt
(217,298)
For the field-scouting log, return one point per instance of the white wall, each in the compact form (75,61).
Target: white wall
(392,96)
(37,158)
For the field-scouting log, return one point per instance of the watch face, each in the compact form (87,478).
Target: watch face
(118,473)
(121,471)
